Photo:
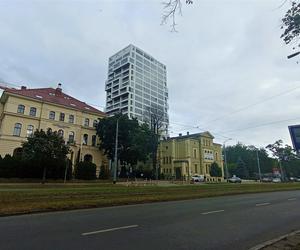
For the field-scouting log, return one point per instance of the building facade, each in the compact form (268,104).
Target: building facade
(137,86)
(183,156)
(22,111)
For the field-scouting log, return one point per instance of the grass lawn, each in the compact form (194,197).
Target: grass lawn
(29,198)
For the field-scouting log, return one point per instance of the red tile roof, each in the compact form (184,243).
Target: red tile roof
(55,96)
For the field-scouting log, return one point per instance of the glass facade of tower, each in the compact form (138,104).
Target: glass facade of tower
(137,86)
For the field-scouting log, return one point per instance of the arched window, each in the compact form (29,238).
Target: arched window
(60,132)
(94,138)
(52,115)
(87,122)
(88,158)
(17,129)
(32,111)
(71,137)
(21,109)
(85,139)
(95,122)
(29,131)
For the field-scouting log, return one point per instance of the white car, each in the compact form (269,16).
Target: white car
(197,178)
(276,180)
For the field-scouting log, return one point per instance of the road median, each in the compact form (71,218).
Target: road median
(32,198)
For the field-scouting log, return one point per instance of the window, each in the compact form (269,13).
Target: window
(60,132)
(21,109)
(170,159)
(195,153)
(62,117)
(71,118)
(86,122)
(52,115)
(17,129)
(95,123)
(94,138)
(32,111)
(29,131)
(85,139)
(71,137)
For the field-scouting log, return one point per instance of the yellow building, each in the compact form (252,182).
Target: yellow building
(22,111)
(183,156)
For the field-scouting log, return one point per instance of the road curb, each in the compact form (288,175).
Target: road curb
(273,241)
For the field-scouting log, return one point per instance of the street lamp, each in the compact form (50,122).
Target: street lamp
(225,158)
(116,150)
(258,164)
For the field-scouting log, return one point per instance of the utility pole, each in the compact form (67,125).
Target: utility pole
(225,158)
(258,165)
(281,171)
(116,153)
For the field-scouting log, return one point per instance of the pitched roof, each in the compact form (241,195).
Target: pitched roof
(55,96)
(204,134)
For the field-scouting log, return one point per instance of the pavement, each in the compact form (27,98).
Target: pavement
(228,222)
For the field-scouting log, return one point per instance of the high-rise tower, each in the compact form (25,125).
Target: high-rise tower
(137,86)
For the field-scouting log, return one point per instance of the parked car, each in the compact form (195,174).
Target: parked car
(197,178)
(297,179)
(266,179)
(276,180)
(234,179)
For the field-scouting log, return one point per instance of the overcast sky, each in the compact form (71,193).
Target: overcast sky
(225,57)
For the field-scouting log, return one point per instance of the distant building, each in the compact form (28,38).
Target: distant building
(137,86)
(183,156)
(22,111)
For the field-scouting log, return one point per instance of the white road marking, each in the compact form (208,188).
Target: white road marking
(212,212)
(109,230)
(292,199)
(262,204)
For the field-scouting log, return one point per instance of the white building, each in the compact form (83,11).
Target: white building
(137,86)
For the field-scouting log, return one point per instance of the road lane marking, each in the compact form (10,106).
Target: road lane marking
(213,212)
(262,204)
(292,199)
(109,230)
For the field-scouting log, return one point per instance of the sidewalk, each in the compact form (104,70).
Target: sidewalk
(287,242)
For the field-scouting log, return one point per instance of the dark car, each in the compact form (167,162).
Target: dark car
(234,179)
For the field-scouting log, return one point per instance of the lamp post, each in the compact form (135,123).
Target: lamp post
(116,151)
(225,158)
(258,164)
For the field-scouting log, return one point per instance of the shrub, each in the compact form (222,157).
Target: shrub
(85,171)
(104,173)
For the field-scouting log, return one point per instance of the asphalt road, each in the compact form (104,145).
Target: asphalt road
(231,222)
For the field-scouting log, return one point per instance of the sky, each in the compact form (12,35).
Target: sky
(227,70)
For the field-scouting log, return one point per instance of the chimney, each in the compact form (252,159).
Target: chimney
(58,89)
(188,133)
(180,134)
(23,87)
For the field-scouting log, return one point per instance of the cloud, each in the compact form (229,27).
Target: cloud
(226,56)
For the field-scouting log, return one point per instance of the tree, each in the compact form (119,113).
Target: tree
(134,140)
(85,170)
(215,170)
(155,117)
(248,154)
(286,157)
(291,25)
(44,148)
(171,9)
(241,169)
